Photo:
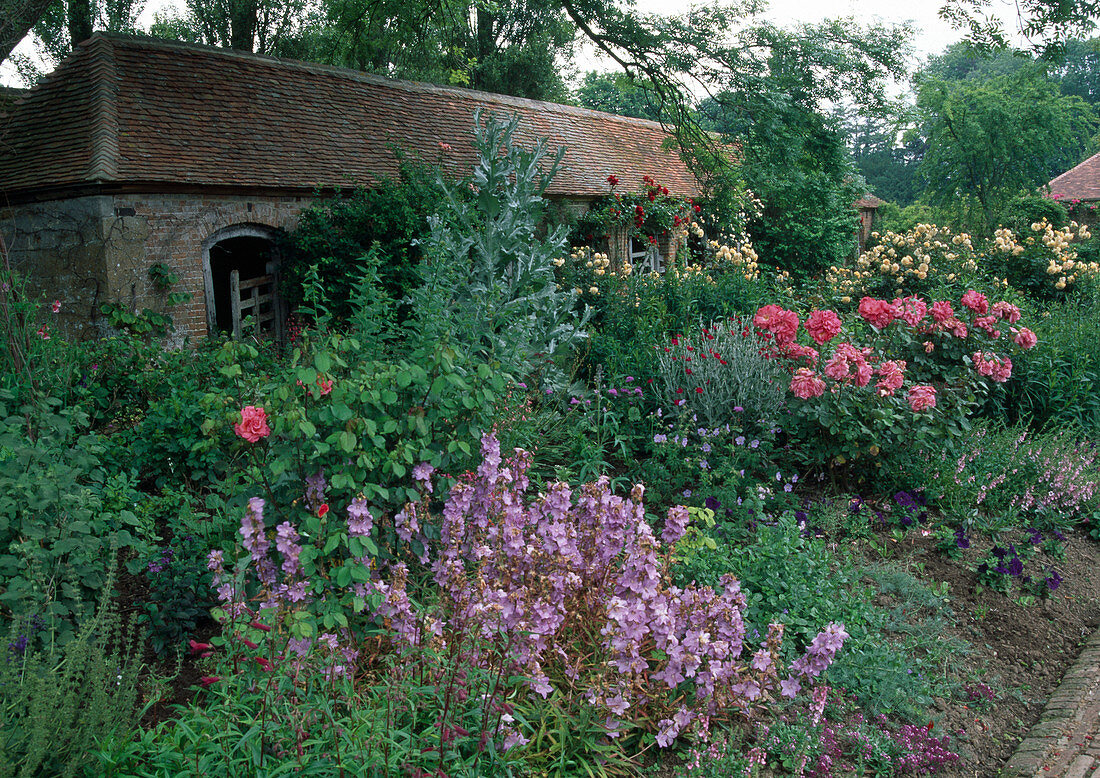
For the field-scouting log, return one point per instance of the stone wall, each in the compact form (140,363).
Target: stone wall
(57,247)
(87,251)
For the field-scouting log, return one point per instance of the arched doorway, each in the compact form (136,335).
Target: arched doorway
(240,266)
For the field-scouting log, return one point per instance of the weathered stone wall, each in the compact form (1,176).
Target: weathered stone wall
(176,230)
(58,248)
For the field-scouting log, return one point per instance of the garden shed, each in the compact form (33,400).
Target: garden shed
(140,154)
(1079,189)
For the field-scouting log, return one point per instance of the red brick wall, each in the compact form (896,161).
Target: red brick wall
(173,229)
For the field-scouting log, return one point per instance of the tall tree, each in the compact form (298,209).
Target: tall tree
(795,157)
(1045,24)
(616,93)
(991,139)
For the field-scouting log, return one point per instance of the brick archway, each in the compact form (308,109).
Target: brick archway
(248,248)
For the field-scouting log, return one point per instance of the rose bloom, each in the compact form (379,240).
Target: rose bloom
(958,329)
(781,323)
(823,326)
(837,368)
(921,397)
(877,313)
(977,302)
(806,384)
(942,311)
(988,323)
(912,309)
(253,424)
(1025,338)
(891,375)
(1006,311)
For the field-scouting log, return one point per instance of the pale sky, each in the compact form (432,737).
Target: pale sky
(932,35)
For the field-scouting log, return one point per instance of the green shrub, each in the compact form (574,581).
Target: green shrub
(488,286)
(1055,384)
(1022,211)
(62,517)
(795,579)
(334,234)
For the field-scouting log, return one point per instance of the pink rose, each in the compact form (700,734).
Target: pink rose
(988,323)
(988,364)
(1006,311)
(837,368)
(806,384)
(863,374)
(891,376)
(877,313)
(823,326)
(253,424)
(942,311)
(922,397)
(781,323)
(912,309)
(1025,338)
(976,301)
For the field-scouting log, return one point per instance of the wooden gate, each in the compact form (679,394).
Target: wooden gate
(256,304)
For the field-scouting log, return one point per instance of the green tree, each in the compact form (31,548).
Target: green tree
(618,94)
(1048,24)
(990,139)
(794,156)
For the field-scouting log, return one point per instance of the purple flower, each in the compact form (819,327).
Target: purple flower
(423,473)
(754,444)
(659,438)
(739,440)
(360,519)
(1054,580)
(315,491)
(738,409)
(286,541)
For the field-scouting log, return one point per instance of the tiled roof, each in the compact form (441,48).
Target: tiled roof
(1078,183)
(126,110)
(868,201)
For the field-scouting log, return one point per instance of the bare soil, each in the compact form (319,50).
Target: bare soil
(1020,651)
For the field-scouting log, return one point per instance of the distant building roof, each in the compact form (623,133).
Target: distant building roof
(868,201)
(142,113)
(1078,183)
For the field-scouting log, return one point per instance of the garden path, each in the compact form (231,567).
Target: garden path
(1066,741)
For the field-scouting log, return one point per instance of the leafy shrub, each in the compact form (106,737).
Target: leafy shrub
(62,518)
(588,630)
(335,234)
(948,363)
(719,374)
(1056,383)
(1041,260)
(923,260)
(793,578)
(179,598)
(1023,211)
(1012,477)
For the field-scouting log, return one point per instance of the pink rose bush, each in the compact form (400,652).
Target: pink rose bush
(917,368)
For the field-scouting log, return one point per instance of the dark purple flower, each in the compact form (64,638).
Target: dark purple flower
(961,540)
(712,503)
(1015,567)
(998,552)
(1054,580)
